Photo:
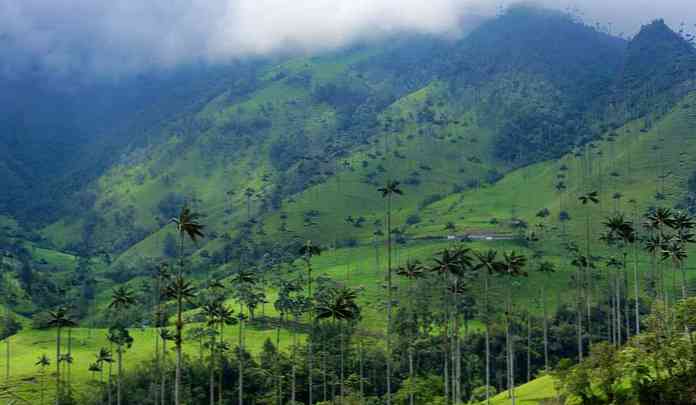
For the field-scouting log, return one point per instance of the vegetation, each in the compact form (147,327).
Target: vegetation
(534,200)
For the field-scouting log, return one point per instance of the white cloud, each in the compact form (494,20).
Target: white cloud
(127,35)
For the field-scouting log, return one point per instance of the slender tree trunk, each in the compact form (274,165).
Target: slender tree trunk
(212,371)
(240,365)
(488,339)
(110,393)
(163,374)
(546,329)
(58,387)
(389,301)
(636,287)
(119,398)
(362,375)
(179,327)
(529,347)
(411,396)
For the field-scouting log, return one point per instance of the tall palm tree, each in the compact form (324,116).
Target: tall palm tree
(248,193)
(225,318)
(621,231)
(166,335)
(94,368)
(657,220)
(104,356)
(187,224)
(308,251)
(119,336)
(489,265)
(512,266)
(683,224)
(412,270)
(586,199)
(340,306)
(546,268)
(389,191)
(243,281)
(43,362)
(59,319)
(211,311)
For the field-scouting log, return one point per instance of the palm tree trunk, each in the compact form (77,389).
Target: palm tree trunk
(362,375)
(58,388)
(293,376)
(240,365)
(179,327)
(411,395)
(120,375)
(546,328)
(212,371)
(636,287)
(529,347)
(488,339)
(389,301)
(163,374)
(8,358)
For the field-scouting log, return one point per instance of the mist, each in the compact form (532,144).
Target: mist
(113,37)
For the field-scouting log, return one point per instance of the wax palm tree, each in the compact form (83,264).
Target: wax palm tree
(683,224)
(389,192)
(119,336)
(511,267)
(248,193)
(674,250)
(339,306)
(412,270)
(243,281)
(621,231)
(489,265)
(586,200)
(59,319)
(94,368)
(103,357)
(226,317)
(187,224)
(545,268)
(656,221)
(308,251)
(166,335)
(43,362)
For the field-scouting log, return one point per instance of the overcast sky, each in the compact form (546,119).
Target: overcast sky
(132,35)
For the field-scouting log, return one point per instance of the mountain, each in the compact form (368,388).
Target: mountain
(492,136)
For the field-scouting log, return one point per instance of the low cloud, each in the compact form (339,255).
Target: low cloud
(121,36)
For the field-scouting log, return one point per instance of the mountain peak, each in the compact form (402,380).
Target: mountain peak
(659,57)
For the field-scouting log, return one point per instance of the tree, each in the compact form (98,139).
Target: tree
(104,356)
(43,362)
(59,319)
(187,224)
(308,251)
(546,268)
(389,191)
(244,280)
(413,270)
(591,197)
(488,265)
(340,306)
(511,267)
(120,336)
(621,231)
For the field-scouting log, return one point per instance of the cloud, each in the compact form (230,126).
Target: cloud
(131,35)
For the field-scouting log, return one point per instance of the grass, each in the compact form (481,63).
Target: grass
(532,393)
(28,345)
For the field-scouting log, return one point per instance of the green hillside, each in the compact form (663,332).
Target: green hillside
(493,139)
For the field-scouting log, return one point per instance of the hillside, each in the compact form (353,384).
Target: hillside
(493,137)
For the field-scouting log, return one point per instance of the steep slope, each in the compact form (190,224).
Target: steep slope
(440,115)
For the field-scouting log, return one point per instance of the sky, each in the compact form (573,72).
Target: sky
(125,36)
